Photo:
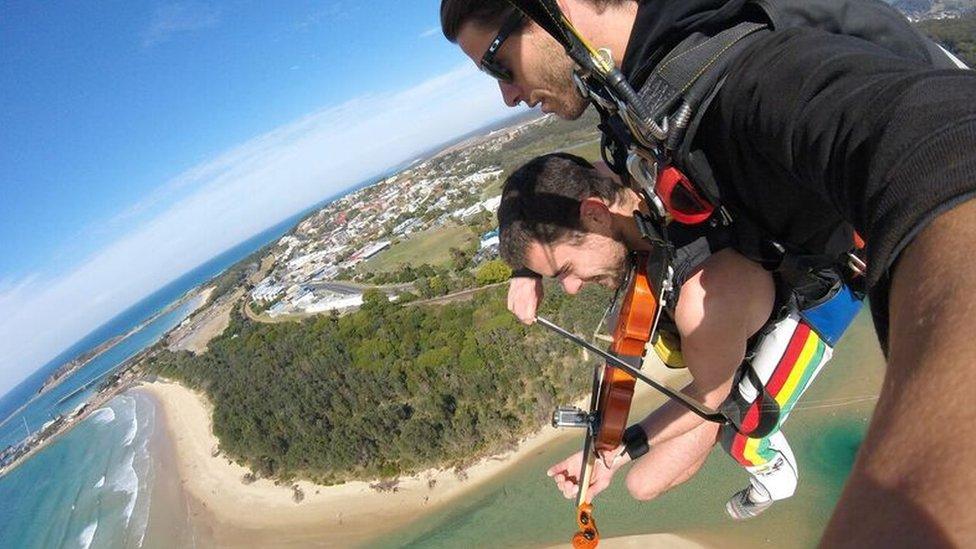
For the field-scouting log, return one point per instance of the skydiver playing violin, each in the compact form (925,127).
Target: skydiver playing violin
(560,217)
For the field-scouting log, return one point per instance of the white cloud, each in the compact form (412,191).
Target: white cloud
(430,32)
(176,18)
(231,197)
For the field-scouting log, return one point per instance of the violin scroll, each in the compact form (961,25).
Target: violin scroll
(588,537)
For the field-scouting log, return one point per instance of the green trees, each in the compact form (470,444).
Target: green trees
(386,390)
(492,272)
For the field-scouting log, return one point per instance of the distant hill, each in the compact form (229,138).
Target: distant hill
(933,9)
(957,35)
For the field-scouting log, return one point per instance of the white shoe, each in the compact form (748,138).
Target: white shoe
(741,505)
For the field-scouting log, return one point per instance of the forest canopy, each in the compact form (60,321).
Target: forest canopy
(389,389)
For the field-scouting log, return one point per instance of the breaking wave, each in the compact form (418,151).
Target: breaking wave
(87,535)
(128,482)
(130,435)
(100,483)
(103,415)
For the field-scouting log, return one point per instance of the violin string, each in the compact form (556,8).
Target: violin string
(606,312)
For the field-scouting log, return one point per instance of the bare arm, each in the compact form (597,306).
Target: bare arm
(914,480)
(720,307)
(664,466)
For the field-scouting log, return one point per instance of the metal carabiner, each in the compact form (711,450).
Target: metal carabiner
(646,177)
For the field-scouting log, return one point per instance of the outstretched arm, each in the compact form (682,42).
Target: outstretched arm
(892,146)
(663,467)
(914,480)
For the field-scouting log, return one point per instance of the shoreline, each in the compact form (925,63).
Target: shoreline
(126,380)
(346,514)
(108,345)
(229,512)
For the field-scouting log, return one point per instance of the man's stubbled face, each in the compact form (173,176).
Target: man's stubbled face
(541,70)
(580,259)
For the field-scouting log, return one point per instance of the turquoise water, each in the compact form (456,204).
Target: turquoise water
(146,308)
(521,508)
(90,488)
(59,498)
(139,313)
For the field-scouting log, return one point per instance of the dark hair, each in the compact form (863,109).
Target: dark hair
(487,13)
(541,201)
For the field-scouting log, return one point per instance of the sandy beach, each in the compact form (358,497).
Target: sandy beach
(229,512)
(439,509)
(203,325)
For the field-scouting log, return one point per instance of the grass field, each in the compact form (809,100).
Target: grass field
(589,150)
(432,247)
(493,189)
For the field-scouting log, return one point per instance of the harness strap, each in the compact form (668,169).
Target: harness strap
(677,88)
(691,70)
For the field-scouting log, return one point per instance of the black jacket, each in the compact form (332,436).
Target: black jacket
(813,129)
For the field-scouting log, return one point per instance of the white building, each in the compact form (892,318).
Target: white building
(489,239)
(370,250)
(336,303)
(492,203)
(267,290)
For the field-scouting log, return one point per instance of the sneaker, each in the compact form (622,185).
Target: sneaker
(741,506)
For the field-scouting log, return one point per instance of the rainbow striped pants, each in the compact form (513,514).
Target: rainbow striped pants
(784,365)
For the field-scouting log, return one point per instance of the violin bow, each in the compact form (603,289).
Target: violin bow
(587,536)
(699,409)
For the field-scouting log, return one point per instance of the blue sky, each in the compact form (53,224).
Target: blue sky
(139,139)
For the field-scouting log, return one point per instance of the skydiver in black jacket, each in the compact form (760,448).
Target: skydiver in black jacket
(812,129)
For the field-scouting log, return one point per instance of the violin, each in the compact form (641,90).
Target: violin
(635,322)
(613,389)
(638,307)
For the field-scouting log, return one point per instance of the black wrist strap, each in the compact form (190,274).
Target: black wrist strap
(635,441)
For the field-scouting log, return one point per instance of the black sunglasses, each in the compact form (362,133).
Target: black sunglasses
(488,63)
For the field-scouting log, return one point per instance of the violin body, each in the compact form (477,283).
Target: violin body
(635,323)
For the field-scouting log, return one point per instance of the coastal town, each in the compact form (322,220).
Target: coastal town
(256,292)
(317,266)
(379,233)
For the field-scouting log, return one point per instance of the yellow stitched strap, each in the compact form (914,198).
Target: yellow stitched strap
(668,348)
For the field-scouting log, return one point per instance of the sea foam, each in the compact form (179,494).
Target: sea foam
(128,481)
(130,435)
(87,535)
(100,483)
(103,415)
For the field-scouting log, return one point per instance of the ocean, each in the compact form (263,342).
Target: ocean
(129,319)
(92,486)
